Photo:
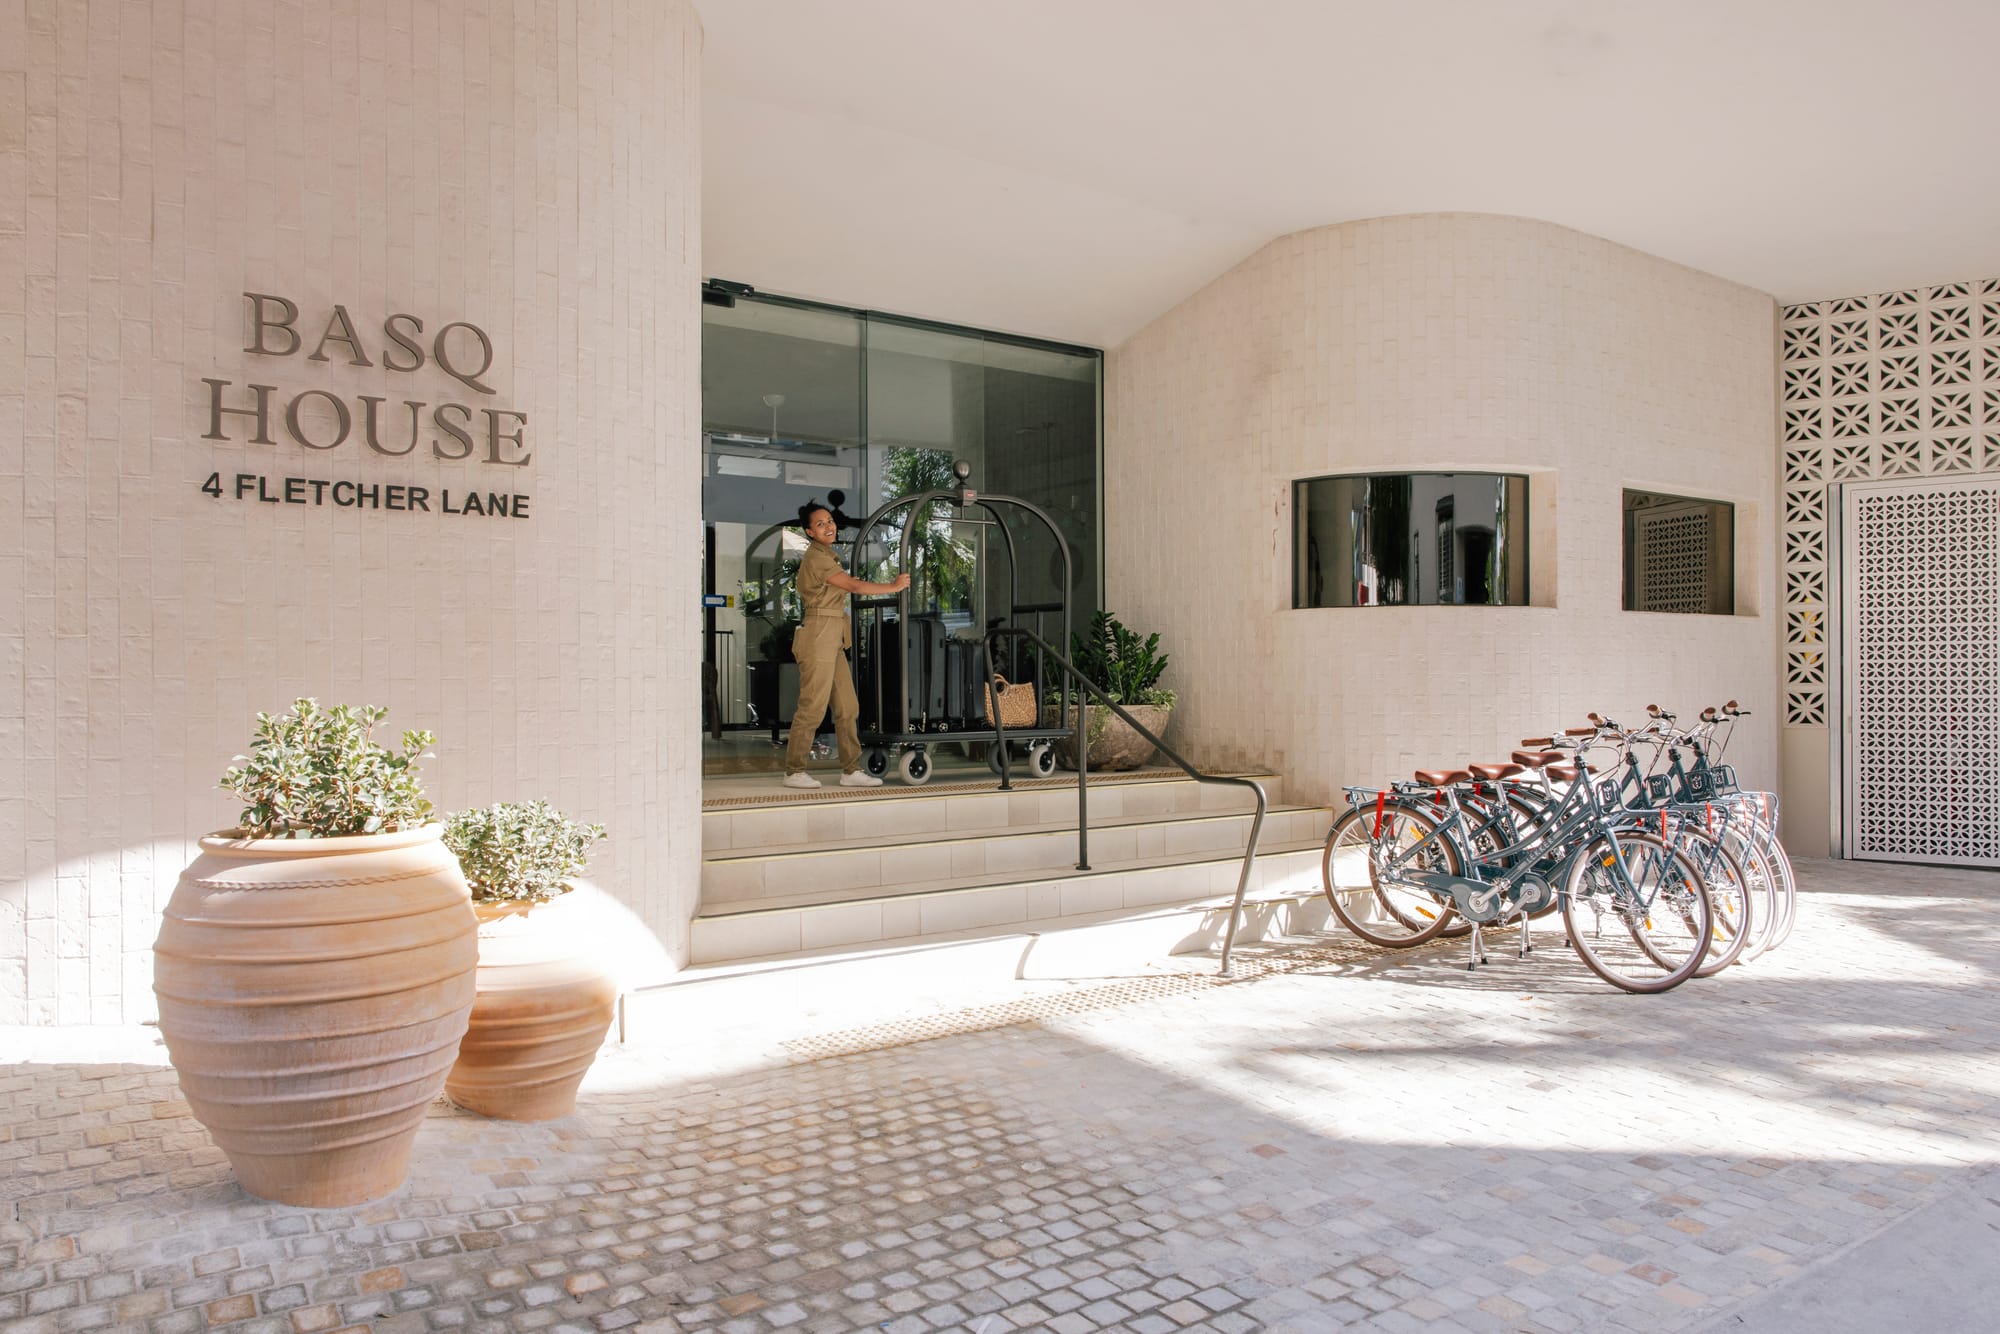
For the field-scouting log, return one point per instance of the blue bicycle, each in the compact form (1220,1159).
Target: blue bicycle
(1405,861)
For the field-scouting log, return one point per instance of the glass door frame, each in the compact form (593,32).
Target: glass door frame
(721,292)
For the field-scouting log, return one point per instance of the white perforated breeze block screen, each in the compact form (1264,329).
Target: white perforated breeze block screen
(1921,573)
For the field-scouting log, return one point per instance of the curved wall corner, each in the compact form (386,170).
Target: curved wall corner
(1442,341)
(533,171)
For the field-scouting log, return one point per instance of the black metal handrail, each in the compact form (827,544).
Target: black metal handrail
(1080,731)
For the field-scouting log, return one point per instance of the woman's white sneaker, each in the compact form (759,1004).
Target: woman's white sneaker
(860,778)
(801,780)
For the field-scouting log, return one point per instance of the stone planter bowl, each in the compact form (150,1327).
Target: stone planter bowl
(1117,746)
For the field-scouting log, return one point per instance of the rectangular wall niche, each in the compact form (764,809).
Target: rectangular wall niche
(1680,554)
(1410,539)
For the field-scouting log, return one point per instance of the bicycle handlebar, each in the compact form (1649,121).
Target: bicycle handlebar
(1658,730)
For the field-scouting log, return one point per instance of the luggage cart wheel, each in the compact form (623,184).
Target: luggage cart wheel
(876,761)
(993,756)
(1042,759)
(914,767)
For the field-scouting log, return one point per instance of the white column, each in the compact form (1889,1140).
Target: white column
(529,169)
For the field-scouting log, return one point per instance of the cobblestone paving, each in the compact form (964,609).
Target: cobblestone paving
(1348,1139)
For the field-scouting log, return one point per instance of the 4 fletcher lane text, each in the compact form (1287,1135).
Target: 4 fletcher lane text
(345,494)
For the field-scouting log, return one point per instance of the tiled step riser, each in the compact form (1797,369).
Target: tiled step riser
(738,880)
(892,818)
(871,921)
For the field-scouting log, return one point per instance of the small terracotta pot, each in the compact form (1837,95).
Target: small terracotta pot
(312,995)
(540,1016)
(1116,746)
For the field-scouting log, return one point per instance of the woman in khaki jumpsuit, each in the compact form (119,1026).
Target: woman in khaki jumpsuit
(820,646)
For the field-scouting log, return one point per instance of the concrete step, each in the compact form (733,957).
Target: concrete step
(869,915)
(836,815)
(932,860)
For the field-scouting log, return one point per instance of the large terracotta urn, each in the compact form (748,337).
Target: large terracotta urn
(1113,744)
(542,1010)
(312,995)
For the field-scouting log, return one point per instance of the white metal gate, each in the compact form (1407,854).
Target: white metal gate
(1920,670)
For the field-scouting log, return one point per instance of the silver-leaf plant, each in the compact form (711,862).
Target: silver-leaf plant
(519,849)
(318,773)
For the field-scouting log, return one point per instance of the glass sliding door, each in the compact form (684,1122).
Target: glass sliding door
(782,423)
(810,404)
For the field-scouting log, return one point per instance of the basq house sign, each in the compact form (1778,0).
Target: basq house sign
(451,426)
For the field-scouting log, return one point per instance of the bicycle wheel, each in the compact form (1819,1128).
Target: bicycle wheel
(1645,930)
(1731,899)
(1722,882)
(1788,887)
(1750,836)
(1379,908)
(1765,895)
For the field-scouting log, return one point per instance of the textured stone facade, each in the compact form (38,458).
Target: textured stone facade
(1434,343)
(532,170)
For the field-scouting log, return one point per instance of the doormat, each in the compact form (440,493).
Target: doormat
(834,792)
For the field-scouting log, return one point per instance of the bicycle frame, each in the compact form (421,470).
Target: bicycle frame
(1576,816)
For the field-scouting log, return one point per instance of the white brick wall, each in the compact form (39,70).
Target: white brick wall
(1437,342)
(531,168)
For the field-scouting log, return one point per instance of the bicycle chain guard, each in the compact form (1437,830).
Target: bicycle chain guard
(1479,900)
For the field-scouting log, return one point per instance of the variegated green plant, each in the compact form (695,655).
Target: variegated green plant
(318,773)
(519,849)
(1117,661)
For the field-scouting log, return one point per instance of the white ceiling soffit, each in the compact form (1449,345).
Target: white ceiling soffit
(1073,168)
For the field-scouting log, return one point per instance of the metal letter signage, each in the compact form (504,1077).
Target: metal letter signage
(323,422)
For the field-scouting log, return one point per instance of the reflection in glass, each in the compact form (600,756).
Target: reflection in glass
(1680,554)
(1410,539)
(805,403)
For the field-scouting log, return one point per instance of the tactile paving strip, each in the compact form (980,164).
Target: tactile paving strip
(1247,966)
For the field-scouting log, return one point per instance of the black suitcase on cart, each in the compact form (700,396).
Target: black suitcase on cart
(965,684)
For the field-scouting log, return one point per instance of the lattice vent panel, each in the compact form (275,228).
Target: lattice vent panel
(1899,384)
(1673,560)
(1922,571)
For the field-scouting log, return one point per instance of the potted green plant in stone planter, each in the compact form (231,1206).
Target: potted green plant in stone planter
(1128,669)
(315,966)
(543,1003)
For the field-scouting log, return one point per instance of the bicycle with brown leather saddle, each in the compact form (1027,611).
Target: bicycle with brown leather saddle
(1707,793)
(1498,808)
(1396,873)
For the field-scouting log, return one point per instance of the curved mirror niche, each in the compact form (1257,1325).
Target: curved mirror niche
(1410,539)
